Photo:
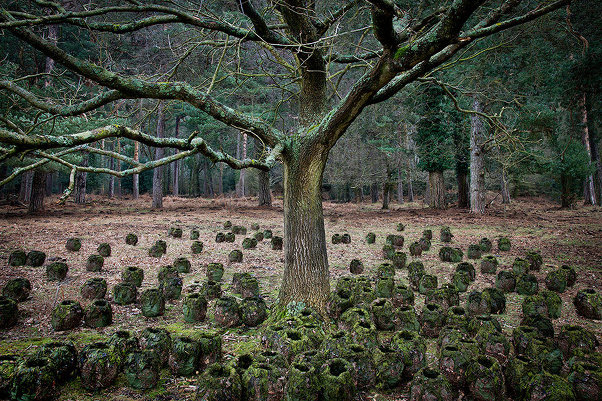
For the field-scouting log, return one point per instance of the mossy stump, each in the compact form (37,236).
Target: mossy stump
(276,243)
(549,387)
(517,373)
(385,270)
(194,308)
(402,296)
(249,243)
(430,384)
(215,271)
(495,299)
(239,230)
(432,320)
(449,254)
(175,232)
(428,234)
(227,312)
(457,317)
(571,274)
(505,281)
(336,379)
(158,340)
(427,282)
(522,336)
(489,264)
(556,281)
(573,337)
(336,239)
(461,281)
(249,287)
(303,383)
(125,293)
(258,236)
(182,265)
(263,382)
(141,369)
(425,243)
(503,244)
(235,256)
(588,304)
(346,238)
(389,367)
(17,258)
(124,342)
(228,237)
(8,365)
(395,240)
(468,268)
(526,284)
(34,380)
(67,315)
(194,234)
(415,273)
(383,314)
(445,234)
(227,225)
(486,379)
(586,377)
(520,266)
(156,251)
(370,238)
(535,260)
(104,250)
(364,371)
(95,263)
(98,314)
(338,302)
(412,351)
(184,356)
(9,312)
(131,239)
(446,296)
(454,361)
(476,304)
(399,260)
(17,289)
(133,275)
(485,244)
(73,244)
(253,311)
(474,251)
(211,290)
(542,324)
(400,227)
(356,266)
(494,344)
(219,383)
(99,366)
(94,288)
(267,234)
(416,249)
(172,288)
(221,237)
(196,247)
(63,357)
(35,258)
(152,302)
(384,287)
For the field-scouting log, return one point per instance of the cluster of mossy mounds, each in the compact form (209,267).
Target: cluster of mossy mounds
(239,230)
(258,236)
(503,244)
(249,243)
(399,259)
(141,368)
(449,254)
(489,264)
(94,288)
(253,311)
(17,289)
(585,375)
(158,249)
(546,303)
(276,243)
(182,265)
(506,281)
(446,296)
(415,272)
(219,382)
(195,234)
(196,247)
(133,275)
(9,312)
(526,284)
(125,293)
(395,240)
(235,256)
(588,303)
(94,263)
(35,258)
(430,384)
(574,339)
(356,266)
(17,258)
(432,320)
(474,251)
(485,244)
(427,283)
(56,271)
(131,239)
(370,238)
(73,244)
(34,379)
(152,302)
(67,315)
(227,312)
(99,365)
(98,314)
(445,234)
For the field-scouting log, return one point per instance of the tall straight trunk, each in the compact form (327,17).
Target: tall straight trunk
(589,192)
(25,189)
(386,195)
(80,181)
(38,192)
(477,163)
(243,155)
(306,276)
(175,185)
(49,183)
(437,190)
(136,177)
(598,165)
(463,189)
(264,195)
(504,187)
(410,189)
(118,168)
(374,192)
(566,196)
(400,188)
(195,189)
(208,187)
(220,183)
(52,37)
(111,165)
(158,171)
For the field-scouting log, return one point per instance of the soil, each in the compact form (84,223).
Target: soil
(571,237)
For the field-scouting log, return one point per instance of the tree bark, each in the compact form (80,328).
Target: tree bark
(590,191)
(437,190)
(400,188)
(49,183)
(220,184)
(175,183)
(374,192)
(38,192)
(386,195)
(118,168)
(463,190)
(208,187)
(504,187)
(477,170)
(241,179)
(566,196)
(80,181)
(598,165)
(264,195)
(158,172)
(25,189)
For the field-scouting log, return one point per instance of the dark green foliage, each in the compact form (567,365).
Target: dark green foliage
(104,250)
(526,284)
(99,365)
(196,247)
(94,288)
(133,274)
(17,258)
(194,308)
(506,281)
(370,238)
(485,379)
(73,244)
(253,311)
(276,243)
(158,340)
(489,264)
(449,254)
(184,356)
(98,314)
(249,243)
(182,265)
(35,258)
(131,239)
(95,263)
(34,379)
(588,304)
(63,357)
(125,293)
(67,315)
(9,312)
(485,244)
(227,312)
(17,289)
(430,384)
(235,256)
(503,244)
(175,232)
(142,369)
(152,302)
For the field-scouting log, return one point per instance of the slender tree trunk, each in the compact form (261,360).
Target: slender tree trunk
(118,167)
(220,184)
(38,192)
(208,182)
(25,189)
(80,181)
(598,165)
(504,187)
(589,192)
(49,183)
(264,195)
(306,276)
(195,189)
(241,179)
(566,196)
(175,185)
(374,192)
(463,190)
(400,188)
(386,195)
(136,177)
(410,189)
(477,162)
(158,172)
(437,190)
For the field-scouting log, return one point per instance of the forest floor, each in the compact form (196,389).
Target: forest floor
(571,237)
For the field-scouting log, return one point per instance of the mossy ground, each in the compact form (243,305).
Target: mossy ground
(562,236)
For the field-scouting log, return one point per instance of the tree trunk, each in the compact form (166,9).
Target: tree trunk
(463,198)
(220,184)
(264,196)
(111,192)
(241,179)
(80,181)
(158,171)
(25,189)
(598,165)
(306,276)
(49,183)
(208,180)
(566,197)
(175,185)
(386,195)
(477,168)
(38,192)
(504,187)
(118,167)
(410,189)
(589,192)
(374,192)
(400,188)
(437,190)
